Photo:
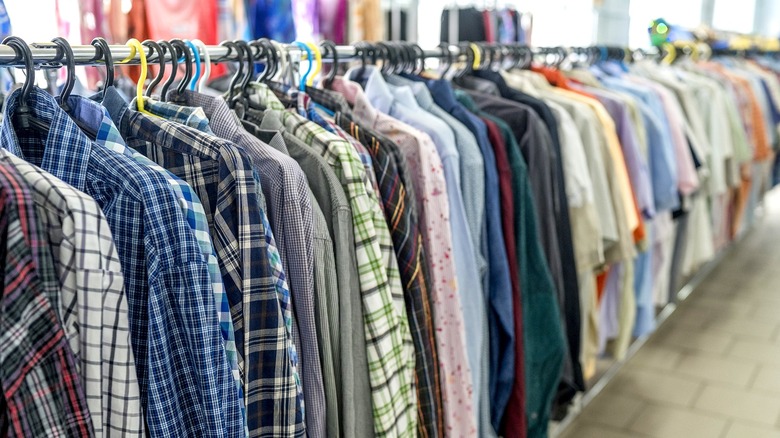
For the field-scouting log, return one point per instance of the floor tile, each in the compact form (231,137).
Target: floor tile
(657,386)
(713,368)
(655,357)
(706,341)
(739,404)
(582,430)
(767,379)
(613,409)
(759,352)
(662,422)
(742,430)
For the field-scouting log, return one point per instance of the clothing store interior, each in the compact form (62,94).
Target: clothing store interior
(390,218)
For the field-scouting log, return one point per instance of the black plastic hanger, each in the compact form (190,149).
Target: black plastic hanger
(329,49)
(174,68)
(104,54)
(155,48)
(445,48)
(184,51)
(23,117)
(70,66)
(233,48)
(419,59)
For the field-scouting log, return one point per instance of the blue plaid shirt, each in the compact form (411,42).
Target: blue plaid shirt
(183,373)
(222,175)
(96,116)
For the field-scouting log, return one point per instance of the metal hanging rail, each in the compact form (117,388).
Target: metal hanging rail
(88,55)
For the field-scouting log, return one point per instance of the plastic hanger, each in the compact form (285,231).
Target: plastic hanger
(23,117)
(139,88)
(304,47)
(318,63)
(329,49)
(174,68)
(185,52)
(477,56)
(250,64)
(233,47)
(207,64)
(104,52)
(671,53)
(70,65)
(196,56)
(155,48)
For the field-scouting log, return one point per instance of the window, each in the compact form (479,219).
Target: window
(734,15)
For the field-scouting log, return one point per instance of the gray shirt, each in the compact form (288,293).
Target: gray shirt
(351,364)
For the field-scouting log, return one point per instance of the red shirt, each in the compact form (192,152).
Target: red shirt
(514,423)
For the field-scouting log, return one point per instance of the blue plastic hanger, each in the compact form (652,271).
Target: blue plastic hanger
(196,53)
(310,59)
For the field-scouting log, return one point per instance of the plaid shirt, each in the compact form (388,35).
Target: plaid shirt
(42,393)
(399,210)
(307,108)
(180,361)
(108,135)
(287,194)
(390,348)
(221,174)
(92,303)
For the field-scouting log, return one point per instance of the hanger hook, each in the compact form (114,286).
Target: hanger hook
(185,52)
(232,47)
(250,62)
(104,54)
(70,65)
(206,62)
(155,48)
(309,56)
(315,49)
(196,56)
(139,88)
(168,47)
(263,52)
(23,53)
(445,48)
(329,49)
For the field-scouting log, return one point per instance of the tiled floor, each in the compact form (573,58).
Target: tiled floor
(713,369)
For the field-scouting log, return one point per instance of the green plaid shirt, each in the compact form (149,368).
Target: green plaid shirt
(391,358)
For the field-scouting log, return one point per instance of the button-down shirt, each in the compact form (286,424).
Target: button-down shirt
(401,216)
(92,303)
(236,225)
(433,208)
(162,264)
(389,343)
(287,198)
(42,390)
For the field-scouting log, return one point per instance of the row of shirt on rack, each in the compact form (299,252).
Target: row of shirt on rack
(387,255)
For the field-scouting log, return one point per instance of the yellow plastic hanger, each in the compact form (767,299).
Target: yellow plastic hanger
(139,97)
(477,56)
(671,53)
(133,51)
(318,63)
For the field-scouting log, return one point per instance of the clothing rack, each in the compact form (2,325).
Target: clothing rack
(49,55)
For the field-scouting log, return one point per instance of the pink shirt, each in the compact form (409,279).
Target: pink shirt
(434,216)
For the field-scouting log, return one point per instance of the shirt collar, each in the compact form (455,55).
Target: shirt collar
(66,149)
(97,118)
(377,91)
(443,94)
(361,107)
(421,93)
